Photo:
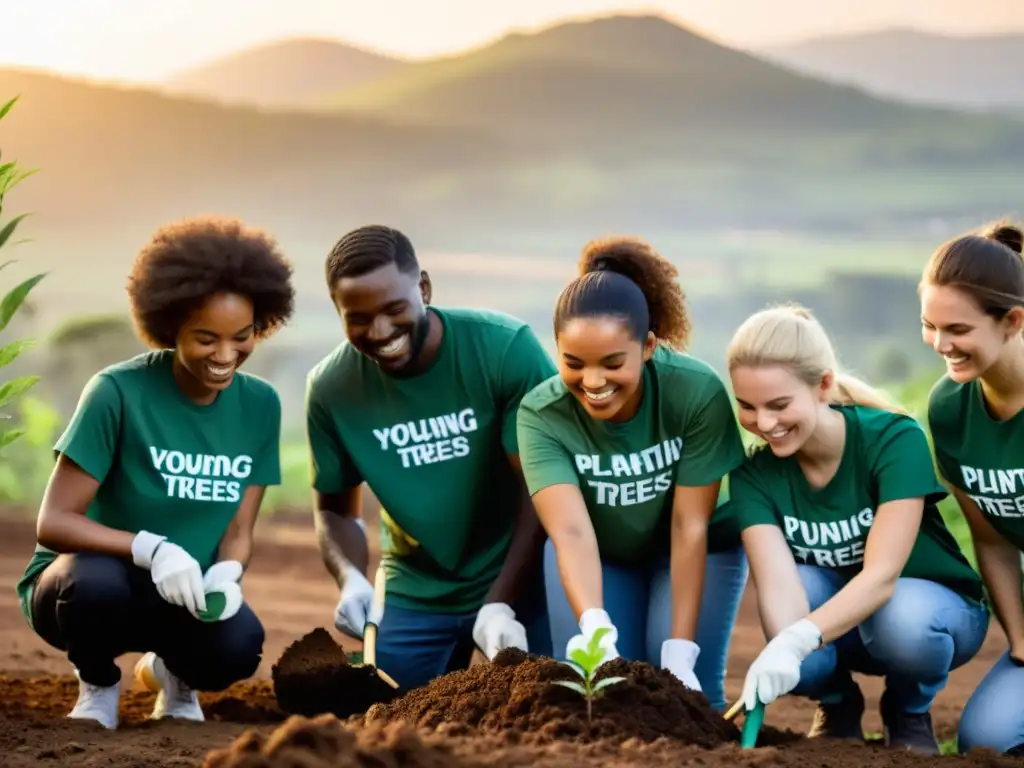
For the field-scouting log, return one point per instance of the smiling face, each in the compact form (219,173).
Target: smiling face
(777,406)
(385,315)
(602,365)
(968,339)
(214,341)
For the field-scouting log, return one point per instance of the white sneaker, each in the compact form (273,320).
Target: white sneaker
(173,697)
(97,702)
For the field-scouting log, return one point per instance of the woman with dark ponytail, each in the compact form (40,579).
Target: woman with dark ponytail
(623,453)
(972,315)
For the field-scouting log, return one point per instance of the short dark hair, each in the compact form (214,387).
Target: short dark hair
(186,262)
(987,266)
(625,277)
(368,248)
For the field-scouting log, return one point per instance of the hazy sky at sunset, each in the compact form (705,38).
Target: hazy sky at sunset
(145,39)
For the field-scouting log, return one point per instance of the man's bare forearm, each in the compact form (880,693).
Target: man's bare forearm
(341,539)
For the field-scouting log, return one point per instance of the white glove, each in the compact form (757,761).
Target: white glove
(177,575)
(496,628)
(592,620)
(224,577)
(354,605)
(776,671)
(679,656)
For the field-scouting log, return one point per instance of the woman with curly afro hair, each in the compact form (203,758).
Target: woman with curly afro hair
(146,525)
(623,453)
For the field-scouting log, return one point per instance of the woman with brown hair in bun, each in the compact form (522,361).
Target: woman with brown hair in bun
(972,314)
(623,453)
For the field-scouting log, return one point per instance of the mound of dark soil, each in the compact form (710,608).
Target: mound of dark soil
(325,742)
(314,677)
(515,695)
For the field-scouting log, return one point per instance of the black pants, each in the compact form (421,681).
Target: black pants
(97,607)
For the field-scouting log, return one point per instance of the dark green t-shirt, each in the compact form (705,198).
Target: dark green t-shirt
(886,458)
(979,455)
(434,450)
(684,433)
(164,463)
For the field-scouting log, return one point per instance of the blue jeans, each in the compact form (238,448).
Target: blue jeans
(639,602)
(414,647)
(994,715)
(922,633)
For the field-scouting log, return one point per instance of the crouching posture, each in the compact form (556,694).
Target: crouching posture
(854,568)
(972,312)
(146,524)
(624,452)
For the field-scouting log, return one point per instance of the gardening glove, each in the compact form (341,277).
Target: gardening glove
(496,628)
(177,575)
(776,671)
(592,620)
(354,605)
(679,656)
(223,591)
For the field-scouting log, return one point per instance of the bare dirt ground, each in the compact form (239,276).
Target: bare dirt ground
(292,593)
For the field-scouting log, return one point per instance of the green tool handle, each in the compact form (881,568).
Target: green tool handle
(752,723)
(373,620)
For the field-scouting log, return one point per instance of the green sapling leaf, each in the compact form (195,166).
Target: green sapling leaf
(572,686)
(605,682)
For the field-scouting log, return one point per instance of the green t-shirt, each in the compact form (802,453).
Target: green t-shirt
(885,458)
(684,433)
(164,463)
(434,450)
(979,455)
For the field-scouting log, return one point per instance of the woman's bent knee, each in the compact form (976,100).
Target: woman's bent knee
(239,649)
(994,715)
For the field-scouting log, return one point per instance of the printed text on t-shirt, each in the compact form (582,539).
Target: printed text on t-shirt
(431,440)
(997,492)
(625,479)
(201,476)
(832,544)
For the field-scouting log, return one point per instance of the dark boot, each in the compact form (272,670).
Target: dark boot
(906,730)
(841,719)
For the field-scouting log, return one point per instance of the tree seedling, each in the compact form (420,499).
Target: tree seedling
(585,662)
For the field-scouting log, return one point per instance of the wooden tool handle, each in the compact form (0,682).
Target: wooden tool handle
(376,614)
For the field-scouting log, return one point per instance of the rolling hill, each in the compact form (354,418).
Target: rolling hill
(284,74)
(970,72)
(628,124)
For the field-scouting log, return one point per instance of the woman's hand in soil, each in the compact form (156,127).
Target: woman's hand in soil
(679,656)
(354,605)
(776,671)
(496,628)
(177,575)
(592,620)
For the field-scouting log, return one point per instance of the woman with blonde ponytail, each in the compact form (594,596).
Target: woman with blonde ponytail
(854,568)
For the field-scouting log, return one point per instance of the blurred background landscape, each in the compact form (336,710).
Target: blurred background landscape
(815,152)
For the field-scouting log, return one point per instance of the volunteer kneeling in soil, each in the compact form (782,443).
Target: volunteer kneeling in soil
(421,403)
(159,478)
(624,451)
(854,568)
(972,310)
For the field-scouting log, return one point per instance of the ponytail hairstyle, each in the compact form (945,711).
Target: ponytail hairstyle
(790,336)
(987,266)
(625,278)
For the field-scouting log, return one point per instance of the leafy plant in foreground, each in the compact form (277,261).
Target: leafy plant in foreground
(10,176)
(585,662)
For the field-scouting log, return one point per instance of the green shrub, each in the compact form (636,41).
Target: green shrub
(10,176)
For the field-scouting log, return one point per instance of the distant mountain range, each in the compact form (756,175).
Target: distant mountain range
(283,74)
(973,72)
(617,124)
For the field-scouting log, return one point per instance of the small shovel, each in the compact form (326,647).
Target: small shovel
(752,722)
(372,622)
